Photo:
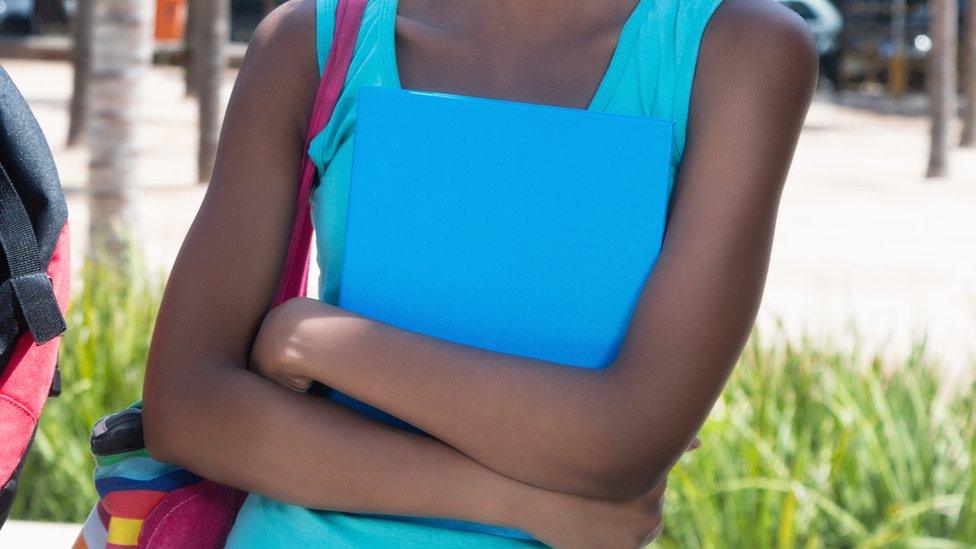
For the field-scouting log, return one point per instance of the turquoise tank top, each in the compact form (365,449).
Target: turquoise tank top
(650,74)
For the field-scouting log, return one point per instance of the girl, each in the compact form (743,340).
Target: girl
(521,451)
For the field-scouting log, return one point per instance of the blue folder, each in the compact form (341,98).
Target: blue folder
(522,229)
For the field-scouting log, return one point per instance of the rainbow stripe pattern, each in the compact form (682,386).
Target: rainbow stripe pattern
(130,485)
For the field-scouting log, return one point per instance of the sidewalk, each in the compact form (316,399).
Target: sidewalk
(38,535)
(863,239)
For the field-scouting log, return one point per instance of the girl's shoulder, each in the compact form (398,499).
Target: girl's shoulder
(281,54)
(741,25)
(679,20)
(294,18)
(288,32)
(763,37)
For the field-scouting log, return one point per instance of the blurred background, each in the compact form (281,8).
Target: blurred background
(851,419)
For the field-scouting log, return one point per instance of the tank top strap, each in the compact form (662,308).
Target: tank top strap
(369,35)
(325,11)
(659,72)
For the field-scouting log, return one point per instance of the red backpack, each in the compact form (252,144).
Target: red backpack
(34,278)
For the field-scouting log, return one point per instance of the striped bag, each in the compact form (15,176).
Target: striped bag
(139,494)
(144,503)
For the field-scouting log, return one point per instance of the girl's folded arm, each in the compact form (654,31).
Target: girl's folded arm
(203,410)
(613,432)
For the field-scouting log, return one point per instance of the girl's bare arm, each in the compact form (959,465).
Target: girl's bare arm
(613,432)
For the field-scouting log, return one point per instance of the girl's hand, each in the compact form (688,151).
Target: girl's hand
(296,335)
(274,355)
(573,522)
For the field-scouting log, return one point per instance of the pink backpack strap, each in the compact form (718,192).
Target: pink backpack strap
(294,277)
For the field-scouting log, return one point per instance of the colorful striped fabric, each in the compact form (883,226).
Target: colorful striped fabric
(130,486)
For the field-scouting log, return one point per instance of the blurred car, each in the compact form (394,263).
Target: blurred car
(824,20)
(870,51)
(16,16)
(20,17)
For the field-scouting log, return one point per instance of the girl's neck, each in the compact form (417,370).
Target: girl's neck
(536,18)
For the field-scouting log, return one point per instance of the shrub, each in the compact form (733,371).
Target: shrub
(811,447)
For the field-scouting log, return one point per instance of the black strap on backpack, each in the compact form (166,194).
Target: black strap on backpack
(28,285)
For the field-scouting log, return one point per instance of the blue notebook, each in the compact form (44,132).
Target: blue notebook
(523,229)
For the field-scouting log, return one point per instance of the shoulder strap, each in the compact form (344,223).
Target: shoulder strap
(294,277)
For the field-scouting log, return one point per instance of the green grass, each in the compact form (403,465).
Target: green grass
(809,446)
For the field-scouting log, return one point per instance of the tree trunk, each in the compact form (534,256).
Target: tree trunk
(190,44)
(121,52)
(82,37)
(969,85)
(942,80)
(213,28)
(898,65)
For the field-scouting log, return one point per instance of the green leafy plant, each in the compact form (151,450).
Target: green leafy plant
(814,447)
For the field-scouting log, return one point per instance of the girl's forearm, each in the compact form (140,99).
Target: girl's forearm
(311,452)
(541,423)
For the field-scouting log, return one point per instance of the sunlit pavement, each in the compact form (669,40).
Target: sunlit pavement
(38,535)
(863,240)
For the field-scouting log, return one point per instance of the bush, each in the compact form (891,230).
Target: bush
(809,446)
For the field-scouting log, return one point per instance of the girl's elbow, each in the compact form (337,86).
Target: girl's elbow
(159,447)
(159,432)
(626,478)
(624,465)
(165,415)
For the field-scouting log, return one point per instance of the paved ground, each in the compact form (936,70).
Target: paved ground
(865,245)
(36,535)
(865,241)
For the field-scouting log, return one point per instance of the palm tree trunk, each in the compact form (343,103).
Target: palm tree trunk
(121,52)
(942,80)
(82,37)
(969,84)
(190,39)
(898,66)
(213,28)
